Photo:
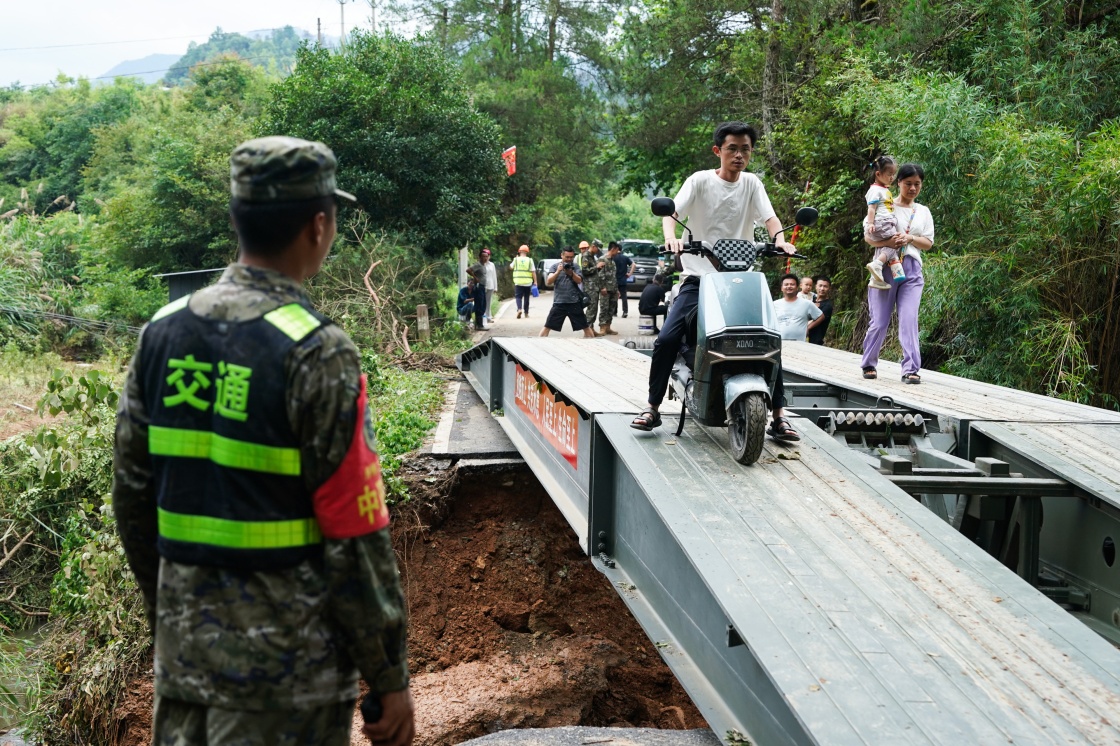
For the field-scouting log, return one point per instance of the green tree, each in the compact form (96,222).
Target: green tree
(50,138)
(419,156)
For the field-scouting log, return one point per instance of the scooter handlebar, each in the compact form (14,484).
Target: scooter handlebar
(768,250)
(771,250)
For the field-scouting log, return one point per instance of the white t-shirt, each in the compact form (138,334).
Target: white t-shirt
(715,209)
(491,275)
(794,318)
(879,197)
(918,220)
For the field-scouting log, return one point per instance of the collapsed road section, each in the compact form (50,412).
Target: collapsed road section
(806,598)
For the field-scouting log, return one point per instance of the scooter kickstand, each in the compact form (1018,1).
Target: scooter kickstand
(680,422)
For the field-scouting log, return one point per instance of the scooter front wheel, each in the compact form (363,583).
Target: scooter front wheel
(746,427)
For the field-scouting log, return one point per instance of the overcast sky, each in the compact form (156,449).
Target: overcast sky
(136,29)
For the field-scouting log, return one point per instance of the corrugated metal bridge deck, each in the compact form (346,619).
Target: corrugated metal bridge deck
(1078,443)
(804,599)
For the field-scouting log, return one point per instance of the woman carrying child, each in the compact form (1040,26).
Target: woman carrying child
(915,235)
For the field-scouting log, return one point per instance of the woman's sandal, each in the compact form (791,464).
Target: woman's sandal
(647,420)
(780,429)
(870,374)
(911,378)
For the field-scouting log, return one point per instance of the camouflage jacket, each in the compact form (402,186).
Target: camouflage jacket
(592,275)
(290,639)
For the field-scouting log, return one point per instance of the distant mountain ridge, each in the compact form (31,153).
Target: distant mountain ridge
(148,69)
(275,49)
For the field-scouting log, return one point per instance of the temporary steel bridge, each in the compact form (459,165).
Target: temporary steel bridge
(930,564)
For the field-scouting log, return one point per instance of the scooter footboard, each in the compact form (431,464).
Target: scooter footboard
(744,383)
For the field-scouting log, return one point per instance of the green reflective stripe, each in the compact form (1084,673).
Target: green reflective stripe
(294,320)
(221,532)
(172,307)
(237,454)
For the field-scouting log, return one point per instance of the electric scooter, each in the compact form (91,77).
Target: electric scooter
(728,367)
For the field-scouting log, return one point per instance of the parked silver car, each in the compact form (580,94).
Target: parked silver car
(545,267)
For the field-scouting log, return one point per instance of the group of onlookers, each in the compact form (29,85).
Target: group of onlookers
(805,308)
(477,295)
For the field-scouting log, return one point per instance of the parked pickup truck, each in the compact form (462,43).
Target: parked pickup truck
(644,254)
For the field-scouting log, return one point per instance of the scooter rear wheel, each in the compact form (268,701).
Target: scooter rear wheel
(746,427)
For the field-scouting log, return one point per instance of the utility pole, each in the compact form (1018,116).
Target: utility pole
(372,15)
(342,24)
(319,30)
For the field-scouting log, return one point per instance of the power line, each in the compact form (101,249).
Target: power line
(135,41)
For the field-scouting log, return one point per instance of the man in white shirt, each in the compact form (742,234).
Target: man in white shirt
(796,316)
(489,281)
(723,203)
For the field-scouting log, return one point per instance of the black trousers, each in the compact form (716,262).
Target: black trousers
(671,340)
(521,295)
(622,288)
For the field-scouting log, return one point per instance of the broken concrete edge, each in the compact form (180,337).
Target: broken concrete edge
(580,736)
(438,445)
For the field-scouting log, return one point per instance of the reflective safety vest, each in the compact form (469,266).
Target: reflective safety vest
(522,271)
(226,462)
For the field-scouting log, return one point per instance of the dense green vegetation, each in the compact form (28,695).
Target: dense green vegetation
(1012,108)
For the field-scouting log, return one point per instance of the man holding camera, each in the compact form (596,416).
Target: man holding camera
(567,300)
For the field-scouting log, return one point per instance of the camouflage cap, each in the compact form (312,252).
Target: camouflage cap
(598,243)
(279,169)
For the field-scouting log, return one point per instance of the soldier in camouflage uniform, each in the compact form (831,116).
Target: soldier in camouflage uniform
(603,282)
(248,495)
(589,260)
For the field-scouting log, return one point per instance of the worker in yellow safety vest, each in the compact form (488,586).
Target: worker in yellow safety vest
(524,279)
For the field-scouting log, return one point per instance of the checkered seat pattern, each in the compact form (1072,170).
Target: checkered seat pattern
(736,253)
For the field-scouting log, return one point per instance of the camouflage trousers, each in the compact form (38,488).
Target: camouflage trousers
(602,306)
(176,723)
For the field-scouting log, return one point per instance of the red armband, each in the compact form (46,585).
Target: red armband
(352,502)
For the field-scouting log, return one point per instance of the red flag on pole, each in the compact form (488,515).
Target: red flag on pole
(509,155)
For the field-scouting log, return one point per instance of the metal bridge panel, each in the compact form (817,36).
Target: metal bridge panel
(951,396)
(865,618)
(1088,456)
(871,622)
(1084,454)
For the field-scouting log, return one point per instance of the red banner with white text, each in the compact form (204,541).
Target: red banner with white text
(556,421)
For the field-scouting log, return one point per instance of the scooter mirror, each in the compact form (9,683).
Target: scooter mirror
(663,207)
(806,216)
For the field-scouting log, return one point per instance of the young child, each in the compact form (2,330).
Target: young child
(807,290)
(881,222)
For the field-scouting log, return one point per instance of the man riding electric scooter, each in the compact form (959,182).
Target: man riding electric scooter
(722,203)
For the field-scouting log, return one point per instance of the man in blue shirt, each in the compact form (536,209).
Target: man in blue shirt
(624,267)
